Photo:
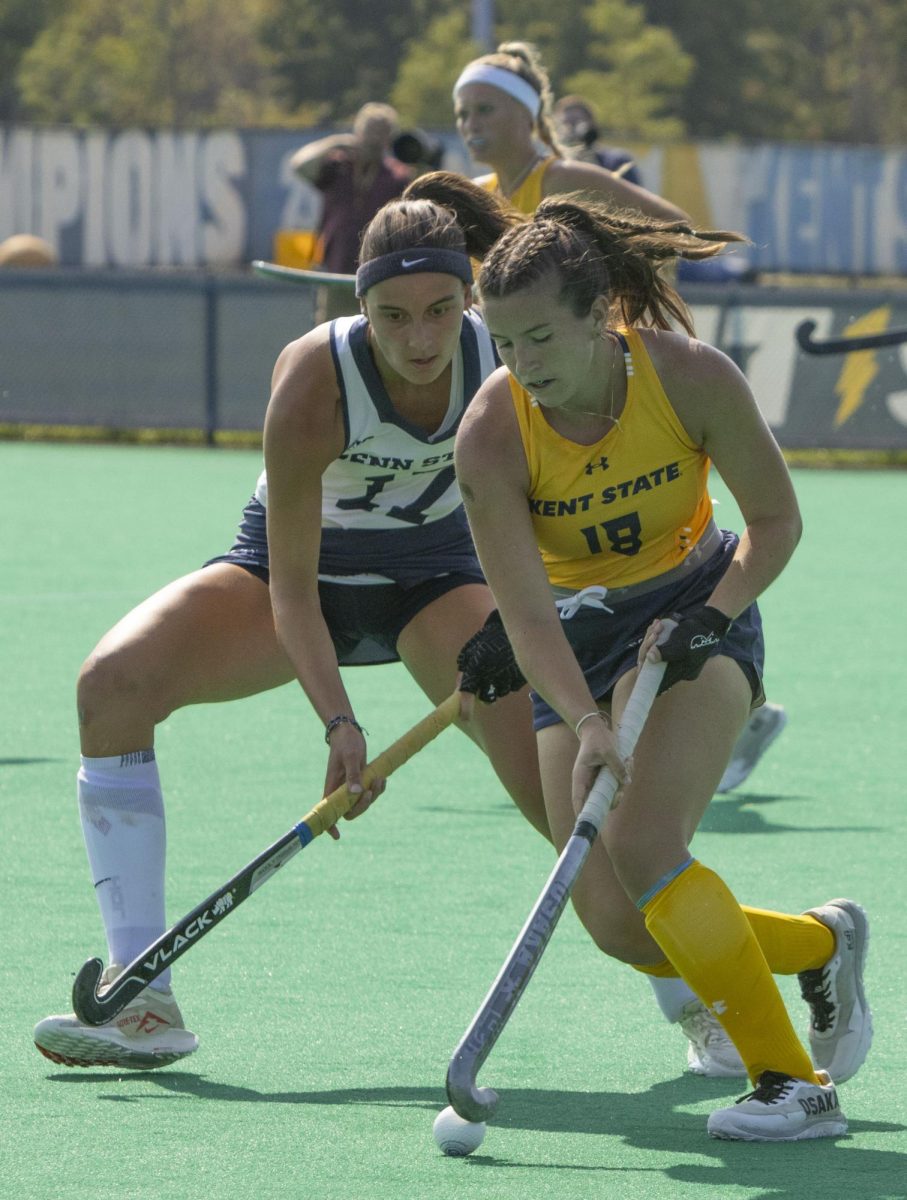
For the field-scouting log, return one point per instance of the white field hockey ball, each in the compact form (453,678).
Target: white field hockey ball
(455,1136)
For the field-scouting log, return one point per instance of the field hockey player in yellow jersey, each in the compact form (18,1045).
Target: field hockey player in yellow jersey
(503,105)
(504,111)
(584,465)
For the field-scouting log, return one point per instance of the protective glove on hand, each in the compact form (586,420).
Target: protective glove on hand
(487,663)
(690,643)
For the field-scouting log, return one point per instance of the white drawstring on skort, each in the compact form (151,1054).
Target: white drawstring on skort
(587,597)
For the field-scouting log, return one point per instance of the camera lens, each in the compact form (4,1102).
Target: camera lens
(407,147)
(415,146)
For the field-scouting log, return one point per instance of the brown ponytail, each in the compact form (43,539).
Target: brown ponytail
(596,250)
(441,210)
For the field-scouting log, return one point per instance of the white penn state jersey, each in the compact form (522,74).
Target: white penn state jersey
(393,479)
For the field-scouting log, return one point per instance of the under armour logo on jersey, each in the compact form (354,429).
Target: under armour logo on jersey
(412,262)
(602,464)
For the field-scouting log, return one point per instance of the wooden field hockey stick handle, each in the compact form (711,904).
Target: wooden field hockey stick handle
(329,810)
(94,1008)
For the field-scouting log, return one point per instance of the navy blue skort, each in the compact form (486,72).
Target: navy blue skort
(364,619)
(606,644)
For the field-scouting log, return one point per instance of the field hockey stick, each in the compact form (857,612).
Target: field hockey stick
(478,1104)
(296,275)
(96,1009)
(845,345)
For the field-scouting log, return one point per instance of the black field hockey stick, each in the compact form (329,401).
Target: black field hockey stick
(296,275)
(845,345)
(473,1103)
(96,1009)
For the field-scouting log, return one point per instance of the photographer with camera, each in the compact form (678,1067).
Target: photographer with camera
(356,175)
(418,149)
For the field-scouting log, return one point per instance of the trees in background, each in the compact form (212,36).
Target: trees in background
(148,62)
(792,70)
(631,71)
(429,67)
(332,56)
(21,22)
(809,70)
(634,72)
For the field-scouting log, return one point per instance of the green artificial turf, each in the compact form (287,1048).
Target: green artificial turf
(328,1006)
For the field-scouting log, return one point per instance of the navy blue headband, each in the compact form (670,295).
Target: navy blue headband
(413,262)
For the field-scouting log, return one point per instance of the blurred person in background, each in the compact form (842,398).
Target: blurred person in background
(503,107)
(356,175)
(577,130)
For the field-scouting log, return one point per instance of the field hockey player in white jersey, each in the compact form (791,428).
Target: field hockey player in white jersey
(357,536)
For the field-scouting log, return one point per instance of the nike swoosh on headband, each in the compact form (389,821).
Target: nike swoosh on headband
(411,262)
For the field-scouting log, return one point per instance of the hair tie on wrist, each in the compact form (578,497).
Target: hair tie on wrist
(343,719)
(585,717)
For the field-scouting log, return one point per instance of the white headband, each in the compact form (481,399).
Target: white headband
(505,81)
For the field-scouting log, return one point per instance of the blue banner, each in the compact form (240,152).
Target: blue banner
(136,198)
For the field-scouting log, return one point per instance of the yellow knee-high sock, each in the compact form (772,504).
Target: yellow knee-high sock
(791,944)
(705,934)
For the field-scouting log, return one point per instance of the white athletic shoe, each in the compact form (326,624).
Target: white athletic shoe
(760,731)
(782,1109)
(840,1027)
(148,1033)
(710,1051)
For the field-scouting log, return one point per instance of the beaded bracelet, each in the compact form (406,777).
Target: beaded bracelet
(343,719)
(596,712)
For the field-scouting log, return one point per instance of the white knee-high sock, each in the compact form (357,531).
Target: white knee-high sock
(122,813)
(672,994)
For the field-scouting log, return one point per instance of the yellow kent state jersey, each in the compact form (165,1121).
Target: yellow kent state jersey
(627,508)
(528,195)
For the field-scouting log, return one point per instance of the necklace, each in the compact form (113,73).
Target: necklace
(521,178)
(609,415)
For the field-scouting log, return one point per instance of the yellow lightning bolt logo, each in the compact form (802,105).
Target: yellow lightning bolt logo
(860,366)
